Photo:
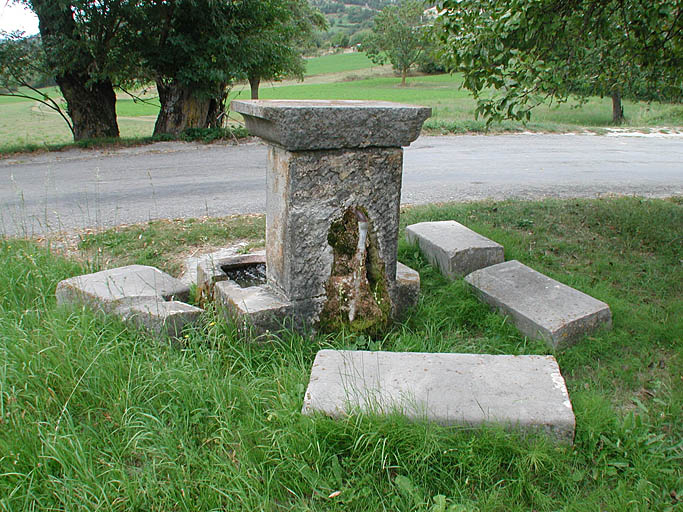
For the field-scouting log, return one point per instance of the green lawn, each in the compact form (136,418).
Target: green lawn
(96,415)
(337,63)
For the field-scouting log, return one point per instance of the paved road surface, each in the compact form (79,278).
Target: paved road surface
(86,188)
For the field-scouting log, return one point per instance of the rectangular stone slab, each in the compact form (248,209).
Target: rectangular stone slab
(540,307)
(525,392)
(332,124)
(453,248)
(106,289)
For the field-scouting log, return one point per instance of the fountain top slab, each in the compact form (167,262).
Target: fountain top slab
(299,125)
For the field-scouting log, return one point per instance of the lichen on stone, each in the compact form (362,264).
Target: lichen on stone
(357,294)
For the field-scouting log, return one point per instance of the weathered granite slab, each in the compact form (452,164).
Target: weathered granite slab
(540,307)
(106,289)
(525,392)
(159,316)
(332,124)
(453,248)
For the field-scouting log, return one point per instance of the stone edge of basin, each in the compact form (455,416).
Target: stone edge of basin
(299,125)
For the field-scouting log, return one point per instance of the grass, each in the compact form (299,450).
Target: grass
(337,63)
(25,125)
(97,415)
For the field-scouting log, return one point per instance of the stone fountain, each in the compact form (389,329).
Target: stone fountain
(332,215)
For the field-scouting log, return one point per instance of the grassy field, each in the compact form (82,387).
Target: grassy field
(25,124)
(337,63)
(97,415)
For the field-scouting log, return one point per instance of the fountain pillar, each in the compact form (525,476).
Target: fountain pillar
(332,212)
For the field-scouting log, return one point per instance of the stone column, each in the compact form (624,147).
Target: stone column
(333,197)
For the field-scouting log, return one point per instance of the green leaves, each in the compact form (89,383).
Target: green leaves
(530,49)
(401,34)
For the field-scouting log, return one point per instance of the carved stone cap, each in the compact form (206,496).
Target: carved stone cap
(332,124)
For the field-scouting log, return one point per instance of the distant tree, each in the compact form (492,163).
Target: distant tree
(532,50)
(273,49)
(400,34)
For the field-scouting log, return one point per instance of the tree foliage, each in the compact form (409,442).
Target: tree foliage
(82,59)
(273,48)
(532,50)
(400,34)
(191,49)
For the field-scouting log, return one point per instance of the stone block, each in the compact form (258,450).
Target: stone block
(105,290)
(408,289)
(524,392)
(307,192)
(453,248)
(256,306)
(540,307)
(332,124)
(159,316)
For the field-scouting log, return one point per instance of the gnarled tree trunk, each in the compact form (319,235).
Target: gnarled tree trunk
(91,103)
(92,109)
(181,108)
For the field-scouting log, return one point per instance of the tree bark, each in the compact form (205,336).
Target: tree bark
(404,73)
(617,108)
(90,103)
(254,83)
(181,109)
(92,109)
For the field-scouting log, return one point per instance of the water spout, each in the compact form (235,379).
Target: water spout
(358,262)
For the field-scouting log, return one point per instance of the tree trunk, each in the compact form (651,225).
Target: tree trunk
(404,73)
(254,83)
(182,109)
(617,108)
(92,109)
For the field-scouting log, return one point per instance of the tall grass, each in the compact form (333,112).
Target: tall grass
(95,415)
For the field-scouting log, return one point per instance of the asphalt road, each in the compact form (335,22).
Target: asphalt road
(95,188)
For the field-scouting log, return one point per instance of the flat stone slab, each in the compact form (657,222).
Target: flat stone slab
(107,288)
(332,124)
(453,248)
(140,294)
(540,307)
(525,392)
